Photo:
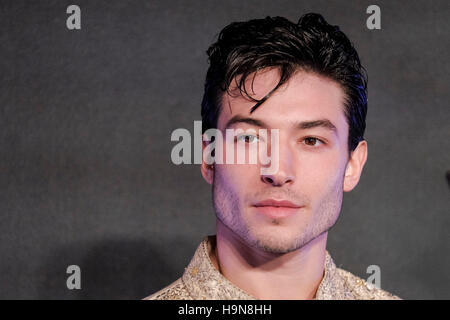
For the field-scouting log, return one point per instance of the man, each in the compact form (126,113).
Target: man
(306,81)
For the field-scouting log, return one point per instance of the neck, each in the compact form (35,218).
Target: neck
(266,275)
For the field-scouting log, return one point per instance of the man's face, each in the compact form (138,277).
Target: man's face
(312,163)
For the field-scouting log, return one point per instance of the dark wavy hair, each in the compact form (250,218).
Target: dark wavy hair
(311,45)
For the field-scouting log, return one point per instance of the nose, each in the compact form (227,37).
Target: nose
(286,168)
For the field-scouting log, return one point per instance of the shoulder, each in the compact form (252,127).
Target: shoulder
(174,291)
(361,290)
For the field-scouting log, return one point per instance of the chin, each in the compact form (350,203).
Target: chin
(276,245)
(277,241)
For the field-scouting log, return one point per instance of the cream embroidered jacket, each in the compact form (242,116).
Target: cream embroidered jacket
(201,280)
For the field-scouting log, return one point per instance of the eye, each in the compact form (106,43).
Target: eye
(312,141)
(247,138)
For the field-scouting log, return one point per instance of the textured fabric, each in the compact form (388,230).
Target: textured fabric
(201,280)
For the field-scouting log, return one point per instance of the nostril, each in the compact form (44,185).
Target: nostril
(269,180)
(275,181)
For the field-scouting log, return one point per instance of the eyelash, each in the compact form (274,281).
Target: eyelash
(257,137)
(316,139)
(245,135)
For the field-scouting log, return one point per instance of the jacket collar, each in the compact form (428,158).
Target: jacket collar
(204,281)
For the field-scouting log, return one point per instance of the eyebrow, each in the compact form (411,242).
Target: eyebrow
(251,121)
(301,125)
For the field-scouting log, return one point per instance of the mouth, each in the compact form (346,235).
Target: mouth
(277,208)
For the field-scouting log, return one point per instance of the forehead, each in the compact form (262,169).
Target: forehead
(305,97)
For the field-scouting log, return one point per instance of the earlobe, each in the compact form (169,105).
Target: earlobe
(207,170)
(355,166)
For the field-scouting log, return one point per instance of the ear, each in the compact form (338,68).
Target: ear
(206,169)
(355,166)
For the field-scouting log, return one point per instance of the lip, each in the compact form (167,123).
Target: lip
(276,203)
(277,208)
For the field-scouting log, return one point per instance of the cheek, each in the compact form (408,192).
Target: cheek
(232,174)
(238,179)
(319,172)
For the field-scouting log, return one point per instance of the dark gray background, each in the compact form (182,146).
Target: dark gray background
(85,124)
